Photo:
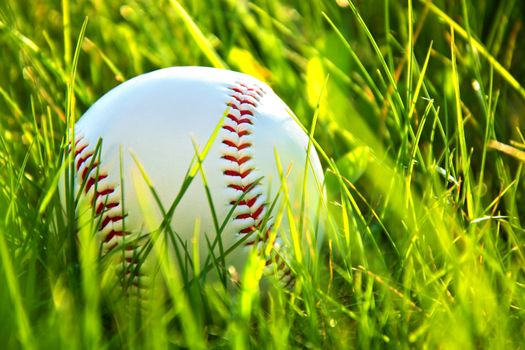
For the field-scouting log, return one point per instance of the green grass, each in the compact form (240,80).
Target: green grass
(423,244)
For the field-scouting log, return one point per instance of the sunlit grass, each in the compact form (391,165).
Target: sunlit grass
(415,109)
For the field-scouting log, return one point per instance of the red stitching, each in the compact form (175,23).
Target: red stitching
(80,149)
(249,202)
(239,161)
(103,193)
(93,175)
(242,188)
(241,174)
(240,133)
(103,206)
(114,233)
(244,216)
(92,180)
(87,170)
(244,99)
(255,215)
(81,160)
(229,128)
(243,95)
(239,121)
(107,219)
(258,212)
(248,229)
(239,147)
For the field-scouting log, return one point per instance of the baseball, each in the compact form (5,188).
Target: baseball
(189,155)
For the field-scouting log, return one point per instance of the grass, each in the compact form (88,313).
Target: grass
(417,108)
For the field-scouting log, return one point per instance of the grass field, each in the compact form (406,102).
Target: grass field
(418,108)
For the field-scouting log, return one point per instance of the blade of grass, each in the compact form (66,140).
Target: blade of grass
(23,326)
(202,43)
(379,54)
(478,46)
(66,23)
(463,151)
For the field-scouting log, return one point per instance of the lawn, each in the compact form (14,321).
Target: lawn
(415,108)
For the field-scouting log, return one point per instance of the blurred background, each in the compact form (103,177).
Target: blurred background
(418,105)
(295,46)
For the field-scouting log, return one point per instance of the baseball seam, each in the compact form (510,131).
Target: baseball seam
(104,198)
(242,182)
(240,174)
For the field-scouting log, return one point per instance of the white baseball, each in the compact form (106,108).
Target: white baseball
(149,129)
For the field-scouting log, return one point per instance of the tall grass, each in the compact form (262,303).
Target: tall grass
(415,107)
